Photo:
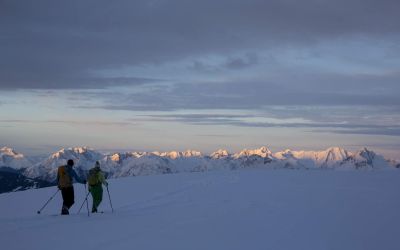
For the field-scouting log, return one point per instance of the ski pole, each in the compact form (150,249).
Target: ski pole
(58,190)
(109,197)
(87,203)
(83,203)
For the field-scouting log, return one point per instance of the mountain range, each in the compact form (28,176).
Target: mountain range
(22,173)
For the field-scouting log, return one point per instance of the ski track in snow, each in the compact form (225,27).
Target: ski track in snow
(243,209)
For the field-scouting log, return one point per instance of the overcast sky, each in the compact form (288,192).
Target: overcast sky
(173,75)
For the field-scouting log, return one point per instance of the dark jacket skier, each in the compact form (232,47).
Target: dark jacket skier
(65,176)
(95,181)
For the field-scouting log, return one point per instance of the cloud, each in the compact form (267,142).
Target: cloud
(60,81)
(241,63)
(382,131)
(217,135)
(338,127)
(14,121)
(231,63)
(243,94)
(56,45)
(320,61)
(71,122)
(198,117)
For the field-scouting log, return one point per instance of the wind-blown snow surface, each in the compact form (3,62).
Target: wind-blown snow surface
(242,209)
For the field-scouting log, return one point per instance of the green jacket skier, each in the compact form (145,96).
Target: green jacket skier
(95,181)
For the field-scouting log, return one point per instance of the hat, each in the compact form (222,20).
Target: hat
(97,165)
(70,162)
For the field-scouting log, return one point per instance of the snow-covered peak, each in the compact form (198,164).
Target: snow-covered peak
(330,155)
(366,157)
(83,157)
(191,153)
(10,158)
(176,154)
(263,152)
(71,151)
(333,154)
(116,157)
(76,153)
(10,152)
(287,153)
(138,163)
(81,150)
(119,157)
(172,154)
(329,158)
(334,157)
(221,153)
(366,153)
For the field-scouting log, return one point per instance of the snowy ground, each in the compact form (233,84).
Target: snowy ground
(245,209)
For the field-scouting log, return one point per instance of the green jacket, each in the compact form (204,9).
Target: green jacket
(96,177)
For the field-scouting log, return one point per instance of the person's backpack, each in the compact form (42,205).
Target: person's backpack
(64,180)
(93,178)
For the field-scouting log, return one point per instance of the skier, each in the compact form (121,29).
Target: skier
(65,176)
(95,179)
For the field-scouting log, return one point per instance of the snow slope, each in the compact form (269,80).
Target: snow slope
(243,209)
